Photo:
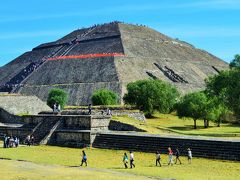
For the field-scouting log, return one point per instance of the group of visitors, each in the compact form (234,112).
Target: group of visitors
(30,140)
(10,141)
(177,155)
(16,81)
(158,158)
(125,160)
(107,111)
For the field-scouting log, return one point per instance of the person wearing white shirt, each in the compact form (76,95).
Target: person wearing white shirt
(189,156)
(131,160)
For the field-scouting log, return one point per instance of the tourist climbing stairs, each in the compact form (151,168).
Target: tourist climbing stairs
(21,77)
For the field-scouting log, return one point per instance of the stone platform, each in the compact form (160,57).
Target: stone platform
(62,130)
(214,148)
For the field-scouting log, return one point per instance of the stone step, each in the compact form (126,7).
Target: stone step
(166,143)
(229,150)
(163,148)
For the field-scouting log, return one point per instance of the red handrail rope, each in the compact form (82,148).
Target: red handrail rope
(84,56)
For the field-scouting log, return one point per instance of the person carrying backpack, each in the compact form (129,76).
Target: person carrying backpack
(177,154)
(158,158)
(84,158)
(125,160)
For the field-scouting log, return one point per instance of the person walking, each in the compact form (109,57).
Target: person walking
(177,154)
(158,158)
(32,140)
(170,156)
(5,141)
(55,107)
(28,140)
(131,160)
(189,156)
(84,158)
(16,141)
(90,109)
(125,160)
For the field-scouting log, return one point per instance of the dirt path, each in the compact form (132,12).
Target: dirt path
(11,169)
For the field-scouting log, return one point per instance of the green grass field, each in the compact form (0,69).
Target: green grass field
(171,124)
(63,162)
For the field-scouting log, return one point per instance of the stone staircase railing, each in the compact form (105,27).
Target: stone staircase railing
(46,139)
(43,129)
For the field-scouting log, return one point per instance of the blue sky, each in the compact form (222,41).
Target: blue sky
(212,25)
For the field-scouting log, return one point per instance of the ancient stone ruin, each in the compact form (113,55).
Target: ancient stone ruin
(47,127)
(107,56)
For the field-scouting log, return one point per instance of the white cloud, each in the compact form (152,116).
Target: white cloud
(198,4)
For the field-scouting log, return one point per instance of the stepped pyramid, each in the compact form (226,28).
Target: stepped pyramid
(107,56)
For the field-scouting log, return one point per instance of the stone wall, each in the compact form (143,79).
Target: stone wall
(201,147)
(5,117)
(100,123)
(71,138)
(119,126)
(77,122)
(135,115)
(17,105)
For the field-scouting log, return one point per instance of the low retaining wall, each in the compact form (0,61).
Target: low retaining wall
(115,112)
(5,117)
(135,115)
(201,147)
(119,126)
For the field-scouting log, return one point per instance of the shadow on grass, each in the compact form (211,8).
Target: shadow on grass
(188,128)
(119,168)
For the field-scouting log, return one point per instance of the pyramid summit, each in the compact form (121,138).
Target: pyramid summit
(107,56)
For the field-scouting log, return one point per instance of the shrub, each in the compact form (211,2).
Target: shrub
(151,95)
(104,97)
(58,96)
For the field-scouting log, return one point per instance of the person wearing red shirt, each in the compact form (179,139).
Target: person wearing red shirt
(170,156)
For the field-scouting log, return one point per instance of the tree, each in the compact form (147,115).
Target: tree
(151,95)
(58,96)
(226,88)
(104,97)
(193,105)
(235,63)
(218,113)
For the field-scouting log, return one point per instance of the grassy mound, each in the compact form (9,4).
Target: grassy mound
(171,124)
